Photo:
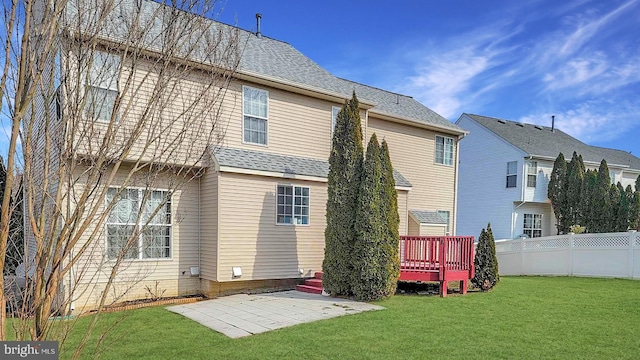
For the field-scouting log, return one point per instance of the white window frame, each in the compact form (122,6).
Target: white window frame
(294,219)
(514,174)
(102,84)
(446,155)
(334,116)
(445,214)
(535,228)
(264,118)
(142,224)
(532,173)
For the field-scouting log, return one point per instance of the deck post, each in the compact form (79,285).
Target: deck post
(442,252)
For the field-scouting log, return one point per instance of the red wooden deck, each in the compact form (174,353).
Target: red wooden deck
(437,258)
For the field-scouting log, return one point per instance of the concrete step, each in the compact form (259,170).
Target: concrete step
(309,289)
(318,274)
(314,282)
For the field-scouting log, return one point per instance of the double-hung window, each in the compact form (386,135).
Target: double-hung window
(139,224)
(292,205)
(532,225)
(512,174)
(255,115)
(102,86)
(532,173)
(444,150)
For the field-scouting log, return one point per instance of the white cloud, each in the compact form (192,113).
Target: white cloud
(587,29)
(592,122)
(440,80)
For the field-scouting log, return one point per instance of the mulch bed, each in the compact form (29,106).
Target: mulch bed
(142,303)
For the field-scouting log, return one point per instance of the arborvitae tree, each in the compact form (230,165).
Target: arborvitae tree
(486,261)
(588,189)
(613,204)
(389,203)
(600,200)
(345,168)
(369,281)
(556,191)
(622,217)
(634,211)
(638,183)
(575,176)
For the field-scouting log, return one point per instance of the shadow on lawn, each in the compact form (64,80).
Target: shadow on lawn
(428,288)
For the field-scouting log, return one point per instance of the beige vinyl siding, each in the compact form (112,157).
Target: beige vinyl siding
(432,230)
(412,153)
(209,224)
(170,277)
(417,229)
(297,125)
(414,227)
(250,238)
(174,125)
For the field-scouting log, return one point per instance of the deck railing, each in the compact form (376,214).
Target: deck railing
(437,258)
(430,253)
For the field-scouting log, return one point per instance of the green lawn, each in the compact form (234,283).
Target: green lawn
(524,317)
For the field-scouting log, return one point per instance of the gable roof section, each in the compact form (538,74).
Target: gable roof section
(400,106)
(282,164)
(540,141)
(261,58)
(427,217)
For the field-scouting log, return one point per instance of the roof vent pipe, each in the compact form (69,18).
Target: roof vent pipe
(258,33)
(553,122)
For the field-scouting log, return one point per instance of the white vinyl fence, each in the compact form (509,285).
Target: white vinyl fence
(602,255)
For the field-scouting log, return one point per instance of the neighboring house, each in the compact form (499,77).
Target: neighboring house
(259,206)
(504,174)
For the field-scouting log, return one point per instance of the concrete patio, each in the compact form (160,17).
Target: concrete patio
(243,315)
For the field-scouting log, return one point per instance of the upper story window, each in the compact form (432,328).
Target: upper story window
(612,176)
(334,116)
(102,86)
(512,174)
(139,224)
(255,113)
(532,225)
(444,150)
(532,173)
(292,205)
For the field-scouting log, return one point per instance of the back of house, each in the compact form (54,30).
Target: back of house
(239,169)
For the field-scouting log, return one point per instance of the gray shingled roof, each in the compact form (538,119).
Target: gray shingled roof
(427,217)
(266,57)
(536,140)
(294,165)
(398,105)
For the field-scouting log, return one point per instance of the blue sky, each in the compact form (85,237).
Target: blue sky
(522,61)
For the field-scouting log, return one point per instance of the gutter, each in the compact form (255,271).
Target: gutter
(297,88)
(418,124)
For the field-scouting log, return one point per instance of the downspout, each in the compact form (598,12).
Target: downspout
(454,223)
(200,232)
